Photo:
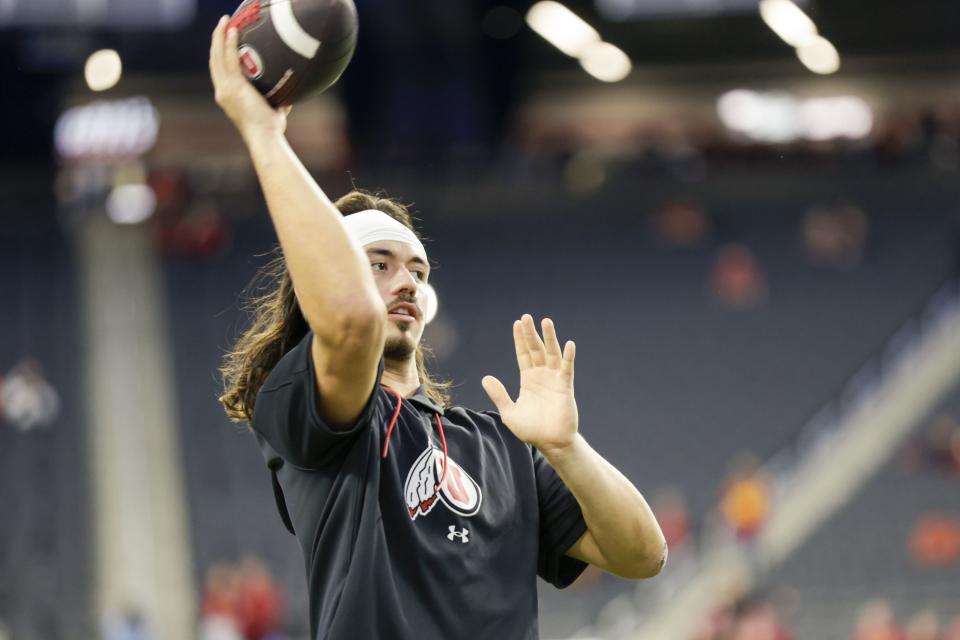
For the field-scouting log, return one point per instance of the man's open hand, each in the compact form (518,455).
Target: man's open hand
(545,413)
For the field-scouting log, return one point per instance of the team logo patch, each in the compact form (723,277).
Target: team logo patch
(460,493)
(251,62)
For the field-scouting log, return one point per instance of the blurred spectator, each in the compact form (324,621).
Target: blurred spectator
(200,234)
(260,600)
(719,623)
(671,510)
(759,621)
(26,399)
(128,624)
(681,223)
(834,236)
(935,540)
(745,502)
(220,609)
(938,447)
(736,277)
(924,625)
(187,224)
(899,139)
(240,602)
(876,622)
(217,627)
(744,617)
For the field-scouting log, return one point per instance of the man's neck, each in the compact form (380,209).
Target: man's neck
(402,377)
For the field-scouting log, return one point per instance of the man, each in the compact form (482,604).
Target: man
(416,519)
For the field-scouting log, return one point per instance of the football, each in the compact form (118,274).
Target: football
(290,49)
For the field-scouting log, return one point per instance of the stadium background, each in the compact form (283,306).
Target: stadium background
(758,263)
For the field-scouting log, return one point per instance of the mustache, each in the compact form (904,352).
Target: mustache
(406,299)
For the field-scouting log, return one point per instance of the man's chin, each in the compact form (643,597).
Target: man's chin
(399,348)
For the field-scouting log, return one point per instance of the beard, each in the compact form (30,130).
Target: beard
(399,348)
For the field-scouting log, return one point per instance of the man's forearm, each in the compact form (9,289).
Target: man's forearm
(618,518)
(330,274)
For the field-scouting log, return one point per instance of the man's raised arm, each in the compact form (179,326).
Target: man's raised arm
(331,276)
(623,536)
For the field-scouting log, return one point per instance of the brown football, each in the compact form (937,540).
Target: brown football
(290,49)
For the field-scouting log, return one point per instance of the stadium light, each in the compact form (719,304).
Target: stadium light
(605,62)
(835,117)
(819,56)
(103,70)
(131,203)
(107,129)
(569,33)
(788,21)
(778,117)
(561,27)
(740,110)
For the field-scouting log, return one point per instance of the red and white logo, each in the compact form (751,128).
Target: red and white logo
(460,493)
(250,62)
(247,16)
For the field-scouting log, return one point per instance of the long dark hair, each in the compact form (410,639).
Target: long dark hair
(277,324)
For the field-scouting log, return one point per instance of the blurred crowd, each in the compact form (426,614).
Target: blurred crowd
(935,538)
(936,449)
(689,148)
(829,236)
(241,602)
(876,621)
(744,505)
(745,618)
(758,617)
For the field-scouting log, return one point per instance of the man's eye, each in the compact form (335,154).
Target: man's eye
(419,275)
(379,266)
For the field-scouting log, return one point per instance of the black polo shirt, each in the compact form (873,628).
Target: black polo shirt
(387,556)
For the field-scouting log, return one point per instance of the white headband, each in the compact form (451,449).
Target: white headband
(375,226)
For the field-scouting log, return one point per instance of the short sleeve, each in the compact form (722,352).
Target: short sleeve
(286,413)
(561,525)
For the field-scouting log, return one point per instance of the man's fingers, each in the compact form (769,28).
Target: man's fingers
(533,342)
(216,38)
(520,344)
(551,343)
(216,48)
(497,392)
(224,61)
(569,355)
(231,59)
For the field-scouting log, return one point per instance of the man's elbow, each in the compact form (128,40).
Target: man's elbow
(648,562)
(358,316)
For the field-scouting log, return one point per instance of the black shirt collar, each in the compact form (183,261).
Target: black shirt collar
(423,401)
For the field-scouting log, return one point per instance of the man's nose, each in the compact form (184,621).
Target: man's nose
(404,282)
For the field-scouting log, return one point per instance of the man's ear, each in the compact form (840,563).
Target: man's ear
(430,303)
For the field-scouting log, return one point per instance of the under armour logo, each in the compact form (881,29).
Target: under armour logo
(454,534)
